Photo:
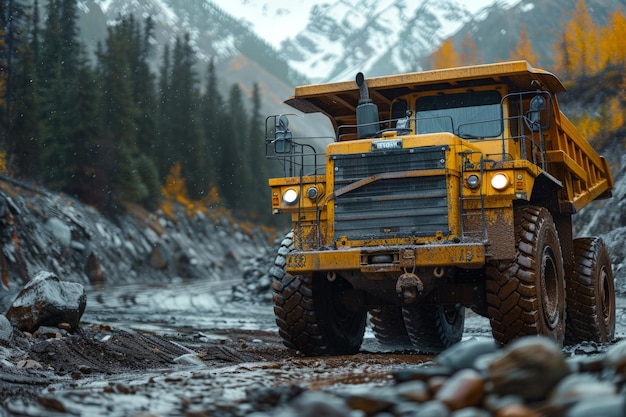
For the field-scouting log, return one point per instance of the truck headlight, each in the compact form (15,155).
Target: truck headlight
(472,181)
(500,181)
(290,196)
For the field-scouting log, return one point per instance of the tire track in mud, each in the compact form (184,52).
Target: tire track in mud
(106,352)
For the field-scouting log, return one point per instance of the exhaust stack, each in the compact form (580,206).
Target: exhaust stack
(366,111)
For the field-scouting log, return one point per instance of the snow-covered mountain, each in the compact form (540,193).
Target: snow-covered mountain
(320,40)
(376,37)
(337,39)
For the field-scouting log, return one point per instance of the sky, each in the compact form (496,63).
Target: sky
(276,20)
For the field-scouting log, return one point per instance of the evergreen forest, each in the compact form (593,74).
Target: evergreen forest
(111,131)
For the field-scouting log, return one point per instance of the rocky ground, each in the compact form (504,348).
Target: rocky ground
(178,322)
(187,349)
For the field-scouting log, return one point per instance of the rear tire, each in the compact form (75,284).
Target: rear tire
(526,296)
(310,313)
(388,326)
(433,328)
(590,293)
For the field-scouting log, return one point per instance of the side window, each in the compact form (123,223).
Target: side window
(398,109)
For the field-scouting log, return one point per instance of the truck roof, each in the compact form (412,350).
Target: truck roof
(338,100)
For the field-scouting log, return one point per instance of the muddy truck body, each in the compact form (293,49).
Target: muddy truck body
(440,191)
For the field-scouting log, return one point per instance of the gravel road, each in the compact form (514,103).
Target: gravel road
(185,349)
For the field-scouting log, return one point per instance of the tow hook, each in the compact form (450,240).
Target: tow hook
(408,286)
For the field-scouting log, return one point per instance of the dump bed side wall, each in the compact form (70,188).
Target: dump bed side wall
(571,159)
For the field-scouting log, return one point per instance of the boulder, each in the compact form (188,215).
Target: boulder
(6,331)
(46,300)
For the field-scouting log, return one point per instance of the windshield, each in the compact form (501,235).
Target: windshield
(472,114)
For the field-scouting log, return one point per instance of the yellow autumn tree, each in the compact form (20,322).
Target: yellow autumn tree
(613,41)
(175,193)
(616,113)
(578,51)
(469,52)
(587,125)
(524,49)
(445,56)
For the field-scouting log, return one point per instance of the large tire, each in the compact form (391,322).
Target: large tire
(310,315)
(590,293)
(388,326)
(526,296)
(432,329)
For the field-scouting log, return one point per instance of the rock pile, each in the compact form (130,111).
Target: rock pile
(531,377)
(257,285)
(56,233)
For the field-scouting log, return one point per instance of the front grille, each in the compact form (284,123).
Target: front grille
(401,207)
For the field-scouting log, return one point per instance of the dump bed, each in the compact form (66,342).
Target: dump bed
(583,174)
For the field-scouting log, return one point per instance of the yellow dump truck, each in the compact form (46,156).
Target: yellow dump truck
(439,191)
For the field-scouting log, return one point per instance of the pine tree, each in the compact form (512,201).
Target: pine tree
(259,194)
(163,148)
(119,114)
(233,171)
(13,24)
(211,109)
(83,149)
(185,127)
(25,121)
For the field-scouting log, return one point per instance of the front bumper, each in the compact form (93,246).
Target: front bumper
(387,259)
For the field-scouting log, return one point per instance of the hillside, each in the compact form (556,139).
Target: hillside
(54,232)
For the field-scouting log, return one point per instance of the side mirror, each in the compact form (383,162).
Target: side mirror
(535,116)
(282,135)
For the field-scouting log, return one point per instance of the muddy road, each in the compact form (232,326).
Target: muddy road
(185,349)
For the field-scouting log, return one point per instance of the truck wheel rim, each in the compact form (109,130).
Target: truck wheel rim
(549,289)
(605,297)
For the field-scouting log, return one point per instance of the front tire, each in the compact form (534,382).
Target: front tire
(590,293)
(526,296)
(310,313)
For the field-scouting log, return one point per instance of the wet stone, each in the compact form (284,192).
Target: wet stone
(494,403)
(371,403)
(46,332)
(6,331)
(464,389)
(51,404)
(416,391)
(463,355)
(30,364)
(267,398)
(471,412)
(46,300)
(422,374)
(613,406)
(535,363)
(434,409)
(406,409)
(515,410)
(316,404)
(615,358)
(577,387)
